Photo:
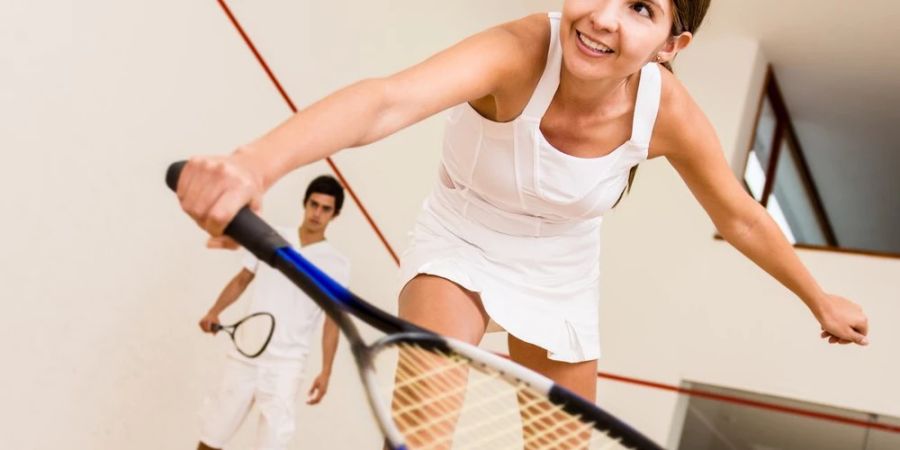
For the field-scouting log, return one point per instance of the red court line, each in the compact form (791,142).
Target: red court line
(751,403)
(635,381)
(745,402)
(290,103)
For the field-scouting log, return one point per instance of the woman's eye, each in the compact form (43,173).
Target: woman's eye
(642,9)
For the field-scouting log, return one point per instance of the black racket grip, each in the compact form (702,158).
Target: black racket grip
(246,228)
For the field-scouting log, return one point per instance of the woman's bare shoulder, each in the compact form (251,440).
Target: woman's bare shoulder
(680,123)
(531,35)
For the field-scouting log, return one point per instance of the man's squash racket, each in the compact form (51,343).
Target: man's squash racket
(251,335)
(436,392)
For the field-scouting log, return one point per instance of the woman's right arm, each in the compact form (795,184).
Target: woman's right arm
(213,188)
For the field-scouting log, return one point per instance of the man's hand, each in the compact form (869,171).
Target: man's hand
(318,389)
(207,322)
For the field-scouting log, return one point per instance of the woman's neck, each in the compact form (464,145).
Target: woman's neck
(604,96)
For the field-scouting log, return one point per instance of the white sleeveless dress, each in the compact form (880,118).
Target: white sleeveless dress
(517,221)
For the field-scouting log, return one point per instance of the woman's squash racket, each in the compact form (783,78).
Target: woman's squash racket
(435,392)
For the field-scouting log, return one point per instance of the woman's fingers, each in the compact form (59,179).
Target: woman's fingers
(212,189)
(222,242)
(843,322)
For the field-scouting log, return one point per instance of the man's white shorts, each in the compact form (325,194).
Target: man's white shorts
(272,388)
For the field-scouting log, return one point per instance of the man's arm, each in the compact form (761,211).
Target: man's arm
(329,347)
(229,295)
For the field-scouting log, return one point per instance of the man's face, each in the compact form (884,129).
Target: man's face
(318,211)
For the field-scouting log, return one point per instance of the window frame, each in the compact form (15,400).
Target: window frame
(784,130)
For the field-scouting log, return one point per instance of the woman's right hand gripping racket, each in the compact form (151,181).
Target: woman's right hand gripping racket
(435,392)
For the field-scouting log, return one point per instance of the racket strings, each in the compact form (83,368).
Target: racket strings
(252,334)
(446,401)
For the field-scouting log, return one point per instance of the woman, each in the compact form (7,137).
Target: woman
(551,116)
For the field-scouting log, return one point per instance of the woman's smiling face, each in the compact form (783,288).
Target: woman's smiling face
(613,38)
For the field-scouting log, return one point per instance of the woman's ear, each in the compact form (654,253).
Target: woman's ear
(672,46)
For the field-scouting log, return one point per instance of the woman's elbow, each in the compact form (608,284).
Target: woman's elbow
(739,226)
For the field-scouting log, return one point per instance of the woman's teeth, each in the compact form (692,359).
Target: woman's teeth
(594,45)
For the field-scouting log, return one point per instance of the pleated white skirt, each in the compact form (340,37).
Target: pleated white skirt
(543,290)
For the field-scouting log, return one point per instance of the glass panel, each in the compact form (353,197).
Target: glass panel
(765,133)
(884,439)
(758,159)
(755,177)
(795,201)
(714,424)
(777,214)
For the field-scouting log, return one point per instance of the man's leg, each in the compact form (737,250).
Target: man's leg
(276,399)
(227,405)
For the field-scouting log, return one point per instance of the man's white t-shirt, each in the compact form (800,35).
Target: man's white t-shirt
(296,315)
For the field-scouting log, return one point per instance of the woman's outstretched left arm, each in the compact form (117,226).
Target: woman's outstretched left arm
(687,139)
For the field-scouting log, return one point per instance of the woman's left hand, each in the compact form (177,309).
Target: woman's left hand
(843,322)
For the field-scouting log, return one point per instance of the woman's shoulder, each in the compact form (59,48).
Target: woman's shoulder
(679,120)
(520,60)
(530,27)
(530,34)
(674,96)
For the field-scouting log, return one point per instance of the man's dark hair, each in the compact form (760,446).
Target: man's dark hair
(328,185)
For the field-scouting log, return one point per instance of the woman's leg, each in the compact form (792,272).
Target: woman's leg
(580,378)
(444,307)
(426,409)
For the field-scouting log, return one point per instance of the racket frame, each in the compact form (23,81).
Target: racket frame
(231,329)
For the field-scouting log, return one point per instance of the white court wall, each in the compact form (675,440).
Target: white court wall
(105,279)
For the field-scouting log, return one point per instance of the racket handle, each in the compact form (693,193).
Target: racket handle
(216,327)
(246,228)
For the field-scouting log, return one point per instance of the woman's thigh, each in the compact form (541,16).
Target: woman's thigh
(580,377)
(446,308)
(443,307)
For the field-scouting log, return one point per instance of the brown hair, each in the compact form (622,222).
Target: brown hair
(689,15)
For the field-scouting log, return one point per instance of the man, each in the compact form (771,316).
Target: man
(272,380)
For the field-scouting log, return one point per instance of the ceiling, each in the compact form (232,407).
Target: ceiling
(838,64)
